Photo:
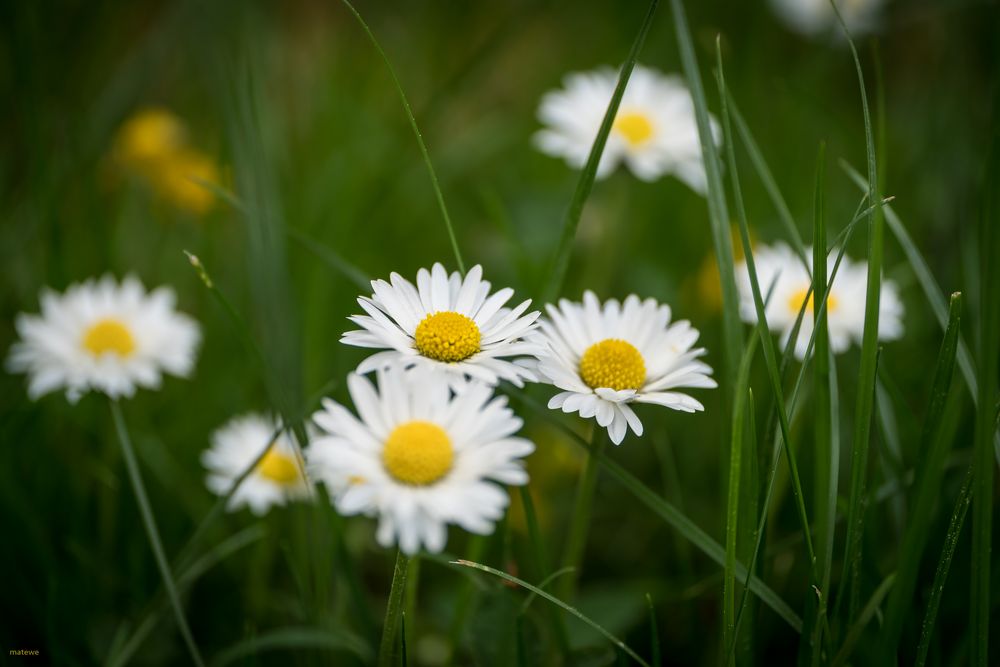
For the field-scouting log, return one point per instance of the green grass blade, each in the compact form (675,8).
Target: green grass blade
(989,358)
(149,521)
(869,360)
(556,274)
(333,259)
(416,132)
(863,619)
(669,513)
(935,446)
(559,603)
(576,539)
(292,639)
(943,567)
(654,632)
(393,611)
(542,566)
(718,213)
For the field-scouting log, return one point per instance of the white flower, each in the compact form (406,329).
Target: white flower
(604,358)
(105,337)
(845,307)
(236,445)
(812,17)
(447,322)
(654,133)
(420,456)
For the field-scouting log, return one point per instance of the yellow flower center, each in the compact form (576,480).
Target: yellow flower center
(613,363)
(635,127)
(418,453)
(279,467)
(109,335)
(447,336)
(796,300)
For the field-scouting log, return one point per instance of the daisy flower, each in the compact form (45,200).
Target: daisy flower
(277,478)
(447,322)
(103,336)
(654,133)
(419,456)
(845,306)
(812,17)
(606,357)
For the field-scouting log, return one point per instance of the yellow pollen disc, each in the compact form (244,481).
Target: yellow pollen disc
(109,336)
(613,363)
(795,302)
(635,127)
(447,336)
(418,453)
(279,467)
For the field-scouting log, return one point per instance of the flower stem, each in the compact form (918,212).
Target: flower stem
(393,607)
(580,521)
(154,537)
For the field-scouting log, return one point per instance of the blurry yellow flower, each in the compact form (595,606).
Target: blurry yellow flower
(153,145)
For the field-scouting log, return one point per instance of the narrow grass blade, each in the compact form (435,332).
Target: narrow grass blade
(393,610)
(869,360)
(718,211)
(934,449)
(944,565)
(149,521)
(559,603)
(556,274)
(294,639)
(542,565)
(654,632)
(669,513)
(862,621)
(331,258)
(464,599)
(989,356)
(416,133)
(579,528)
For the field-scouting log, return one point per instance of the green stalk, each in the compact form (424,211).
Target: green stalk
(393,610)
(151,532)
(576,540)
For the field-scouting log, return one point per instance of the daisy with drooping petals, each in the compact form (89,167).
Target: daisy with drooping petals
(654,133)
(419,456)
(276,479)
(812,17)
(103,336)
(448,322)
(606,357)
(779,266)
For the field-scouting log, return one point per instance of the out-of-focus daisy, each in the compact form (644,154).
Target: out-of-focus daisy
(811,17)
(778,265)
(420,456)
(154,145)
(103,336)
(606,357)
(277,478)
(654,133)
(447,322)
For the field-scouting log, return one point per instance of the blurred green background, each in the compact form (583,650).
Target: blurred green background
(299,114)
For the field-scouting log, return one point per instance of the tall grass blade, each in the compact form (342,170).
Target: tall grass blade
(559,603)
(934,448)
(944,566)
(579,528)
(556,274)
(542,565)
(393,610)
(989,355)
(654,632)
(416,132)
(862,621)
(294,639)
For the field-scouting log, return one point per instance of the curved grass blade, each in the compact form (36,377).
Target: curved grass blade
(935,446)
(559,603)
(416,133)
(393,611)
(865,617)
(556,273)
(294,638)
(542,565)
(944,565)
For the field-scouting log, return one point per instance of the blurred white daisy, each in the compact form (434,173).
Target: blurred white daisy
(277,478)
(103,336)
(811,17)
(420,456)
(654,133)
(845,307)
(447,322)
(606,357)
